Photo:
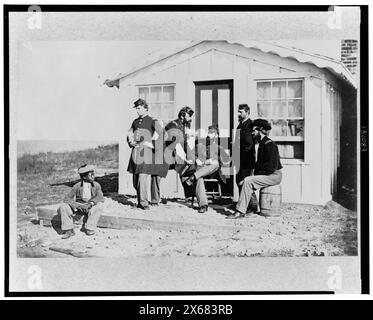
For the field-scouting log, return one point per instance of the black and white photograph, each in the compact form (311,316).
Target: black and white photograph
(184,150)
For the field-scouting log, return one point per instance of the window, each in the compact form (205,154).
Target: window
(281,102)
(161,101)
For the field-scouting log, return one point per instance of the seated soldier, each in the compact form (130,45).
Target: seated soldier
(267,170)
(209,159)
(82,200)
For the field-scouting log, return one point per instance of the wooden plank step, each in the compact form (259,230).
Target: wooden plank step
(45,215)
(68,251)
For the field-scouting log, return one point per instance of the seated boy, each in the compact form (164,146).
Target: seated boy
(82,200)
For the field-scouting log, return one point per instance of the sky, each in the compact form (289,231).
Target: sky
(57,71)
(61,83)
(61,89)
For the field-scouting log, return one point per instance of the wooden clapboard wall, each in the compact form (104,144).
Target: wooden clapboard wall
(312,180)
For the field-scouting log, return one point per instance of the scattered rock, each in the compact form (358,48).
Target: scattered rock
(46,243)
(33,242)
(332,205)
(327,235)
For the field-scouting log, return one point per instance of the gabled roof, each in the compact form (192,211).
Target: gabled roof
(336,67)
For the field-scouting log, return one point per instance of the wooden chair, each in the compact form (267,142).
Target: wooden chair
(214,192)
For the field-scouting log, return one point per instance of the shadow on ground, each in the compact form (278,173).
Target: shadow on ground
(121,198)
(109,183)
(347,199)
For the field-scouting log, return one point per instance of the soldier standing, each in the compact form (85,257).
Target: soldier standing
(177,139)
(146,156)
(178,154)
(246,147)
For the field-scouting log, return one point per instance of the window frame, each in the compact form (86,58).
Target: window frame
(161,102)
(286,139)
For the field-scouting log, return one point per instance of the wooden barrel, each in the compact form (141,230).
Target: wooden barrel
(270,201)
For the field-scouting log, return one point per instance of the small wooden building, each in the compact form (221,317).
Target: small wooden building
(307,97)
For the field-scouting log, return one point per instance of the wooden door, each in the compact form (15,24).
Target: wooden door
(214,105)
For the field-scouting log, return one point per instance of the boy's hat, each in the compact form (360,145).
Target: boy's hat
(85,168)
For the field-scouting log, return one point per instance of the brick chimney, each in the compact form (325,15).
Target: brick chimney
(349,54)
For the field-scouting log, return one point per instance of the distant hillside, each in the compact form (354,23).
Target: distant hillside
(46,163)
(38,146)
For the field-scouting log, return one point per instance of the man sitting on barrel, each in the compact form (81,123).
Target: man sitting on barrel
(267,170)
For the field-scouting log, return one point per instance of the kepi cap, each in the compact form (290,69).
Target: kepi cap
(140,102)
(262,124)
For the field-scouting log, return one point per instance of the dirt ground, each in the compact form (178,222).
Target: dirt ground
(301,230)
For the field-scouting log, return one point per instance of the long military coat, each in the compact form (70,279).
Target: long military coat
(147,155)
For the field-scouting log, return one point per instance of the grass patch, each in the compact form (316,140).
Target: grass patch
(46,163)
(41,177)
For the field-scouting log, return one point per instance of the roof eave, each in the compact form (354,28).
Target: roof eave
(108,81)
(344,74)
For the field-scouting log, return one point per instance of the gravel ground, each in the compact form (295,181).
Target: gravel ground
(300,230)
(45,178)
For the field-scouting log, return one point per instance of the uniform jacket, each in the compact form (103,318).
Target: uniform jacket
(246,145)
(176,134)
(268,160)
(147,155)
(74,197)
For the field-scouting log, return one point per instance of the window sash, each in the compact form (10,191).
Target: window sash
(282,95)
(164,103)
(287,100)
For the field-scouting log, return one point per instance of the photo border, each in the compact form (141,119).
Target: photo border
(364,157)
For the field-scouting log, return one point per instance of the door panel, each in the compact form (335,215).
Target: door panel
(205,111)
(223,113)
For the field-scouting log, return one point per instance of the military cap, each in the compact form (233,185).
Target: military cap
(140,102)
(262,124)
